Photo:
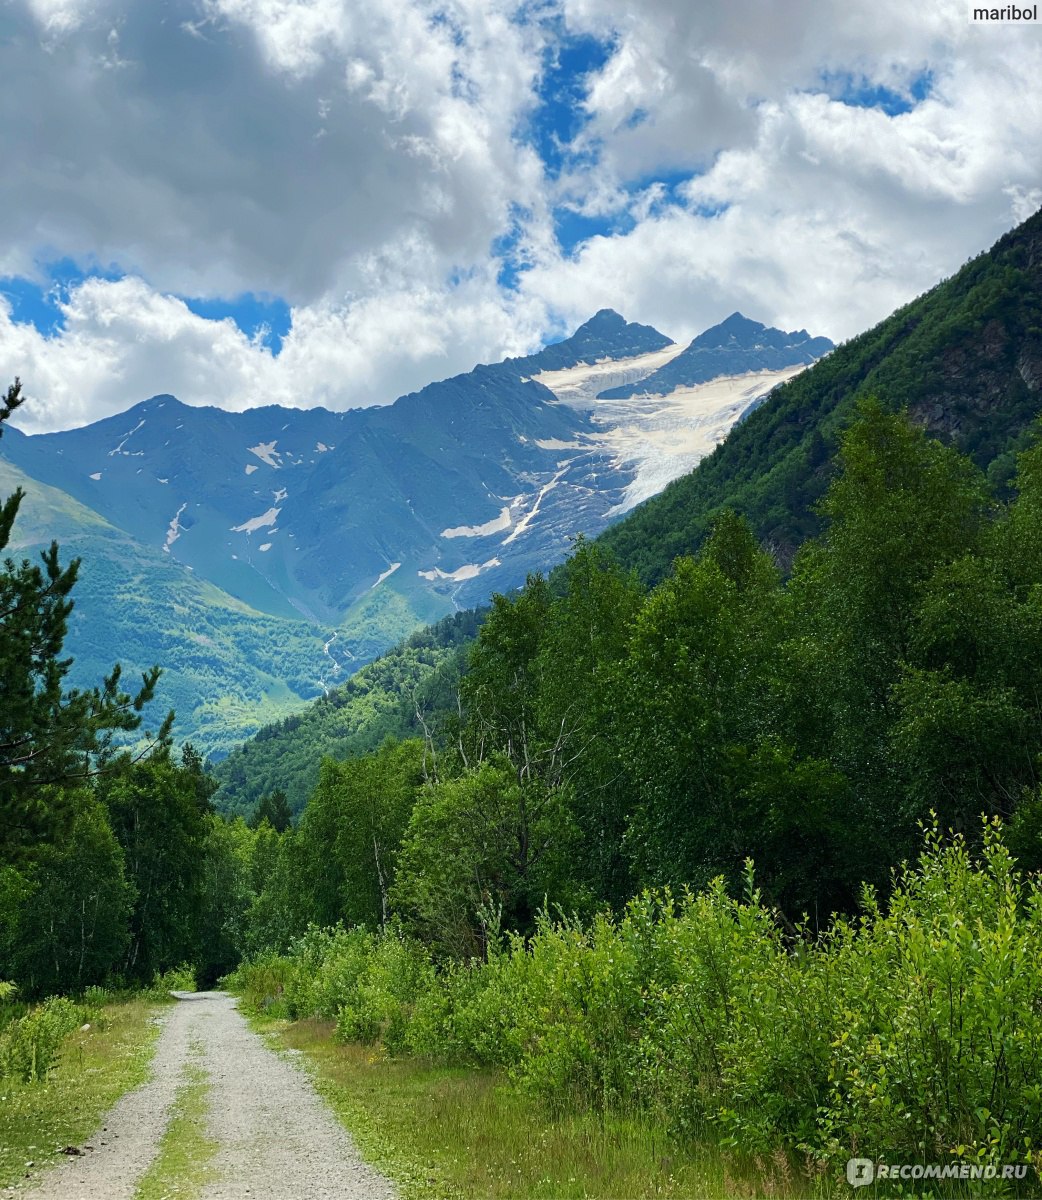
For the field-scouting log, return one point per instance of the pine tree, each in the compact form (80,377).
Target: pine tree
(274,809)
(48,735)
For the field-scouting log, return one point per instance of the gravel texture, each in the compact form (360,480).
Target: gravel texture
(276,1138)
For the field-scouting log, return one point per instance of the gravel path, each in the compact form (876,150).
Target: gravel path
(276,1139)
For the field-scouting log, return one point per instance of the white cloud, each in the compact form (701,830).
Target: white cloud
(832,214)
(359,160)
(264,145)
(122,341)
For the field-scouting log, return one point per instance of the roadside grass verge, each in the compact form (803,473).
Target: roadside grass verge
(182,1166)
(96,1066)
(458,1133)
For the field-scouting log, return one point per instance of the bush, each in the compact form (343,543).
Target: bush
(176,979)
(940,1044)
(327,966)
(261,982)
(31,1045)
(378,1009)
(914,1030)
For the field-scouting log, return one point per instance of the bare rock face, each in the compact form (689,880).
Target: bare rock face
(1029,366)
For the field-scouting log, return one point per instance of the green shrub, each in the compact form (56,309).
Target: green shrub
(328,964)
(938,1049)
(176,979)
(31,1045)
(261,982)
(395,973)
(913,1031)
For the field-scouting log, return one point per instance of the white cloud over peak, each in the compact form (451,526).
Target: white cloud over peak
(364,161)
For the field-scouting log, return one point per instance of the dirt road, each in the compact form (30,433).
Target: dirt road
(275,1138)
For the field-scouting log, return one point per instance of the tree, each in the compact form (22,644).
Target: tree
(225,899)
(49,736)
(482,851)
(695,701)
(352,830)
(70,929)
(273,808)
(499,693)
(163,827)
(580,685)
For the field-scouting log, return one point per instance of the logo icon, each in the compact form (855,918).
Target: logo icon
(860,1171)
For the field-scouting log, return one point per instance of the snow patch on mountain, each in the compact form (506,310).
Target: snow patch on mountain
(469,571)
(528,518)
(251,467)
(267,453)
(578,386)
(174,529)
(495,525)
(126,438)
(255,523)
(663,437)
(387,574)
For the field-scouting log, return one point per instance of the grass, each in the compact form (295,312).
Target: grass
(182,1165)
(442,1132)
(97,1065)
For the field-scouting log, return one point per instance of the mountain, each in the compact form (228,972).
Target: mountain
(965,360)
(355,528)
(734,346)
(227,667)
(605,335)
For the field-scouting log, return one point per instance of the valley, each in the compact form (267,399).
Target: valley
(313,541)
(520,601)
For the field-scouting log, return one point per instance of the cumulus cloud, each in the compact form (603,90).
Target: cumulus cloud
(122,342)
(257,145)
(816,211)
(364,162)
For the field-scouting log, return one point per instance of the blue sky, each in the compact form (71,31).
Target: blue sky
(312,201)
(38,301)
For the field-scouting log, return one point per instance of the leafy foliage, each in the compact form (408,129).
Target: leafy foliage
(913,1027)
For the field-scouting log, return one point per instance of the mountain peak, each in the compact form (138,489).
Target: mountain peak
(737,346)
(736,328)
(606,335)
(605,320)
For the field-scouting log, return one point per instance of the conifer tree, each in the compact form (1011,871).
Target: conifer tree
(273,808)
(49,735)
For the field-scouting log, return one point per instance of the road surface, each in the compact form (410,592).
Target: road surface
(275,1138)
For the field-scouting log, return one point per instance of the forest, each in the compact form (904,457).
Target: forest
(750,850)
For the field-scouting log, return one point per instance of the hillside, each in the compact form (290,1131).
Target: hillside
(386,698)
(965,360)
(227,668)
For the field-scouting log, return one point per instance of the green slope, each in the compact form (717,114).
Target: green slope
(965,359)
(134,606)
(410,685)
